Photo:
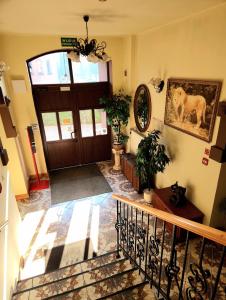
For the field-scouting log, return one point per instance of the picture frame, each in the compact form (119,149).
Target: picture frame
(191,106)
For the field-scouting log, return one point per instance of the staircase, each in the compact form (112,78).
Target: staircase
(102,277)
(155,262)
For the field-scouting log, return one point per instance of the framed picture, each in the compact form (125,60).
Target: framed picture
(191,106)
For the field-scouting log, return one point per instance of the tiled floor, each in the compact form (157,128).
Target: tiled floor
(71,231)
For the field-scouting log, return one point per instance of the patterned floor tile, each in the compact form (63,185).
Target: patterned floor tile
(107,259)
(24,285)
(43,279)
(143,292)
(95,275)
(22,296)
(72,270)
(101,289)
(43,292)
(127,280)
(70,284)
(91,264)
(80,294)
(119,267)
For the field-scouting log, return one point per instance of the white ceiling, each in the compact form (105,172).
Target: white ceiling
(113,17)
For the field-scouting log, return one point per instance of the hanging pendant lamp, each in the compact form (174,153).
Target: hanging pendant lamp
(94,51)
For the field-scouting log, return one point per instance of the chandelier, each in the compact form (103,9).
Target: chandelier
(93,50)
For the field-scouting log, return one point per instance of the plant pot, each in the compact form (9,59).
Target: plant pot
(118,147)
(117,150)
(148,195)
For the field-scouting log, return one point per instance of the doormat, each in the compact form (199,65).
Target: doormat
(76,183)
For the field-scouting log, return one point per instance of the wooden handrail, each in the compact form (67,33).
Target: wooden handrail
(210,233)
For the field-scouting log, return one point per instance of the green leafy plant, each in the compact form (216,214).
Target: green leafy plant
(117,108)
(151,158)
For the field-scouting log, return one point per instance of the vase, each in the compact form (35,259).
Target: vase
(148,195)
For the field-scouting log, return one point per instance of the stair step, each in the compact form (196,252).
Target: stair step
(77,283)
(105,288)
(67,271)
(141,291)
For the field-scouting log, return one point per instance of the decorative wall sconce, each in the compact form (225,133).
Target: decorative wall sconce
(3,68)
(157,83)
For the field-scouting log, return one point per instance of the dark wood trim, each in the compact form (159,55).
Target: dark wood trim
(72,102)
(58,125)
(48,52)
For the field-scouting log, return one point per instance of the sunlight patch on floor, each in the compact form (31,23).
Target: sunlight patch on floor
(44,241)
(29,226)
(94,231)
(79,222)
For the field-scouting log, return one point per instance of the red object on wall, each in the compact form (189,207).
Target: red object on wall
(37,183)
(207,151)
(205,161)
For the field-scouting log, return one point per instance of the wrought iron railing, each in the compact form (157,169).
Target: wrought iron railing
(189,265)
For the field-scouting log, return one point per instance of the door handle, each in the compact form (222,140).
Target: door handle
(73,135)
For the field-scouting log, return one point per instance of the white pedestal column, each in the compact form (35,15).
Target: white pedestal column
(117,165)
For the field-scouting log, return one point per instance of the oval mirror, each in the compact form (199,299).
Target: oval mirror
(142,107)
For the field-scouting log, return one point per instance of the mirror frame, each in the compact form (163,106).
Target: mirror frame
(139,88)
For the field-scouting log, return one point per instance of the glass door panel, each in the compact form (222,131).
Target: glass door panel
(85,71)
(86,121)
(66,124)
(100,121)
(50,68)
(50,126)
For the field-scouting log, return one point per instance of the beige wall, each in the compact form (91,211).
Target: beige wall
(16,49)
(15,165)
(192,48)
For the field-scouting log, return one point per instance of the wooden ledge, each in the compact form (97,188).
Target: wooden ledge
(208,232)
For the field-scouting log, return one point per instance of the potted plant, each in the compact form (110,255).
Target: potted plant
(151,158)
(117,108)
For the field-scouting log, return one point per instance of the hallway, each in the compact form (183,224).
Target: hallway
(59,235)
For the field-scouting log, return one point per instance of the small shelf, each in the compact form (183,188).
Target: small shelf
(10,129)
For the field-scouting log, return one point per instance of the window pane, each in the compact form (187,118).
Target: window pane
(85,71)
(86,121)
(66,124)
(100,121)
(50,126)
(50,68)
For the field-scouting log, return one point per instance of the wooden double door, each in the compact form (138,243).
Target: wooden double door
(73,124)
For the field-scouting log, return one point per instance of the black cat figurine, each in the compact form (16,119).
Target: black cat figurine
(178,198)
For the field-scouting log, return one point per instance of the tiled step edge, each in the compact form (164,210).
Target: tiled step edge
(88,285)
(71,276)
(79,262)
(120,292)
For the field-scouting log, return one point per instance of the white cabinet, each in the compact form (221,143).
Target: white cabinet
(9,237)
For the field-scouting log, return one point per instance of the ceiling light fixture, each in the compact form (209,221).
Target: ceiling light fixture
(91,49)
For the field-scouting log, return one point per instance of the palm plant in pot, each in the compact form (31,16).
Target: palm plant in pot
(117,108)
(151,158)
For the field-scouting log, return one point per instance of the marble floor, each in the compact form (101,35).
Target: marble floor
(63,234)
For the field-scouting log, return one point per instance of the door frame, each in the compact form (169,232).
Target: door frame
(72,86)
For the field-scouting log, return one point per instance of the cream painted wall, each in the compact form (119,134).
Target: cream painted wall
(192,48)
(12,145)
(16,49)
